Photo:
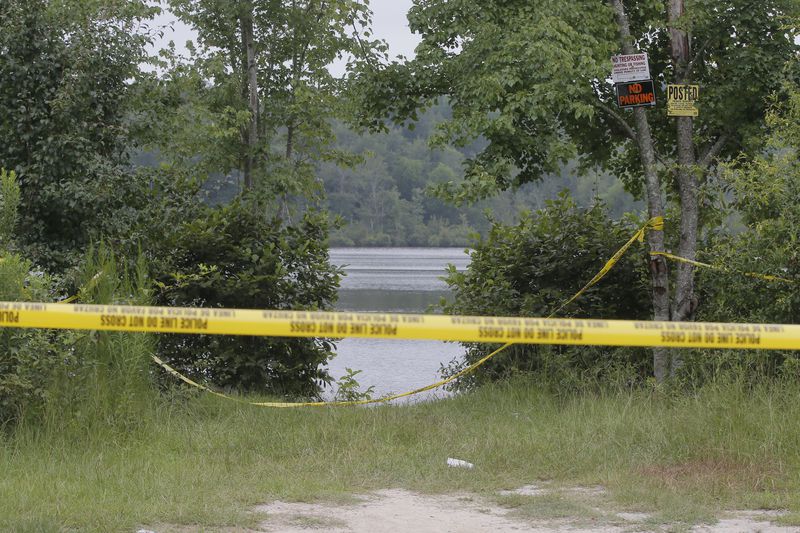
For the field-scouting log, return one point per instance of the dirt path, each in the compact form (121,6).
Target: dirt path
(579,509)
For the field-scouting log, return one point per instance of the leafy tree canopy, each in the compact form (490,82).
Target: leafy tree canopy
(64,84)
(271,110)
(532,79)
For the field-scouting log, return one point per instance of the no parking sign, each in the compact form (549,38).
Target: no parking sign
(636,94)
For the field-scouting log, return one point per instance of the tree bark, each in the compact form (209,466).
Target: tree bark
(251,78)
(659,273)
(684,303)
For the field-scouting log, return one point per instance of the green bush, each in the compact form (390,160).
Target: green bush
(531,268)
(70,378)
(234,256)
(766,193)
(75,380)
(28,357)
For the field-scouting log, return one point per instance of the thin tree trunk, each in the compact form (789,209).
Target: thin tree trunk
(684,303)
(289,141)
(686,173)
(248,44)
(658,266)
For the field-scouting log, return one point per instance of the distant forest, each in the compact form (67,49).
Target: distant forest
(385,202)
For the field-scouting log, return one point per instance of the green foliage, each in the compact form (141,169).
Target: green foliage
(268,247)
(538,95)
(28,358)
(234,256)
(9,207)
(64,81)
(70,379)
(766,195)
(348,389)
(515,89)
(531,268)
(295,42)
(104,379)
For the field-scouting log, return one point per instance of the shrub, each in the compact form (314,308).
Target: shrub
(531,268)
(234,256)
(70,378)
(28,357)
(65,88)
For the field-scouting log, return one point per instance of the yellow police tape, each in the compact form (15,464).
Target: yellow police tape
(392,326)
(285,405)
(84,289)
(399,326)
(153,320)
(654,224)
(765,277)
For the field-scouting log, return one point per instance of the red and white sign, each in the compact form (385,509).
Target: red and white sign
(632,67)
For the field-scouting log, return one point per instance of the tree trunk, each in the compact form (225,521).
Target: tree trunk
(659,274)
(684,302)
(251,134)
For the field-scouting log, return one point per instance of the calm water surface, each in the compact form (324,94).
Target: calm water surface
(398,280)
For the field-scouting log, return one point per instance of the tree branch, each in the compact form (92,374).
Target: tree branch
(713,151)
(629,131)
(367,57)
(619,118)
(688,70)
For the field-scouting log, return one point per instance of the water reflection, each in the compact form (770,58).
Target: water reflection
(390,301)
(399,280)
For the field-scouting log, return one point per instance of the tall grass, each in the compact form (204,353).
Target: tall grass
(200,461)
(105,379)
(70,380)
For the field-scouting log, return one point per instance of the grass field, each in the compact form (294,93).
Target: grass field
(204,462)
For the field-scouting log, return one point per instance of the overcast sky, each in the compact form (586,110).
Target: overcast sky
(389,23)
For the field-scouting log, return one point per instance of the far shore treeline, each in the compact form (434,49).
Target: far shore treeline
(221,177)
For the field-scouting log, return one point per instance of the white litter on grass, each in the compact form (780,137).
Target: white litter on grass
(458,463)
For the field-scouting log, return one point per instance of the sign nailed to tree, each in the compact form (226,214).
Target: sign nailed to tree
(631,67)
(681,100)
(636,94)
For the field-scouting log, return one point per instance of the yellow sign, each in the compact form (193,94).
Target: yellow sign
(398,326)
(681,100)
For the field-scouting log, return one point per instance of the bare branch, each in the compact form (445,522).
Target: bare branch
(713,151)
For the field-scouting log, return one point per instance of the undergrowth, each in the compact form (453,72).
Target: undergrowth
(199,461)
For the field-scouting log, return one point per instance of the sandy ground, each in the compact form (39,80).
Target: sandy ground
(399,510)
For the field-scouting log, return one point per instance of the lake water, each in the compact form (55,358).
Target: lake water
(397,280)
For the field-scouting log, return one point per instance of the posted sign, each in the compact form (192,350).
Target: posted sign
(636,94)
(630,67)
(681,99)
